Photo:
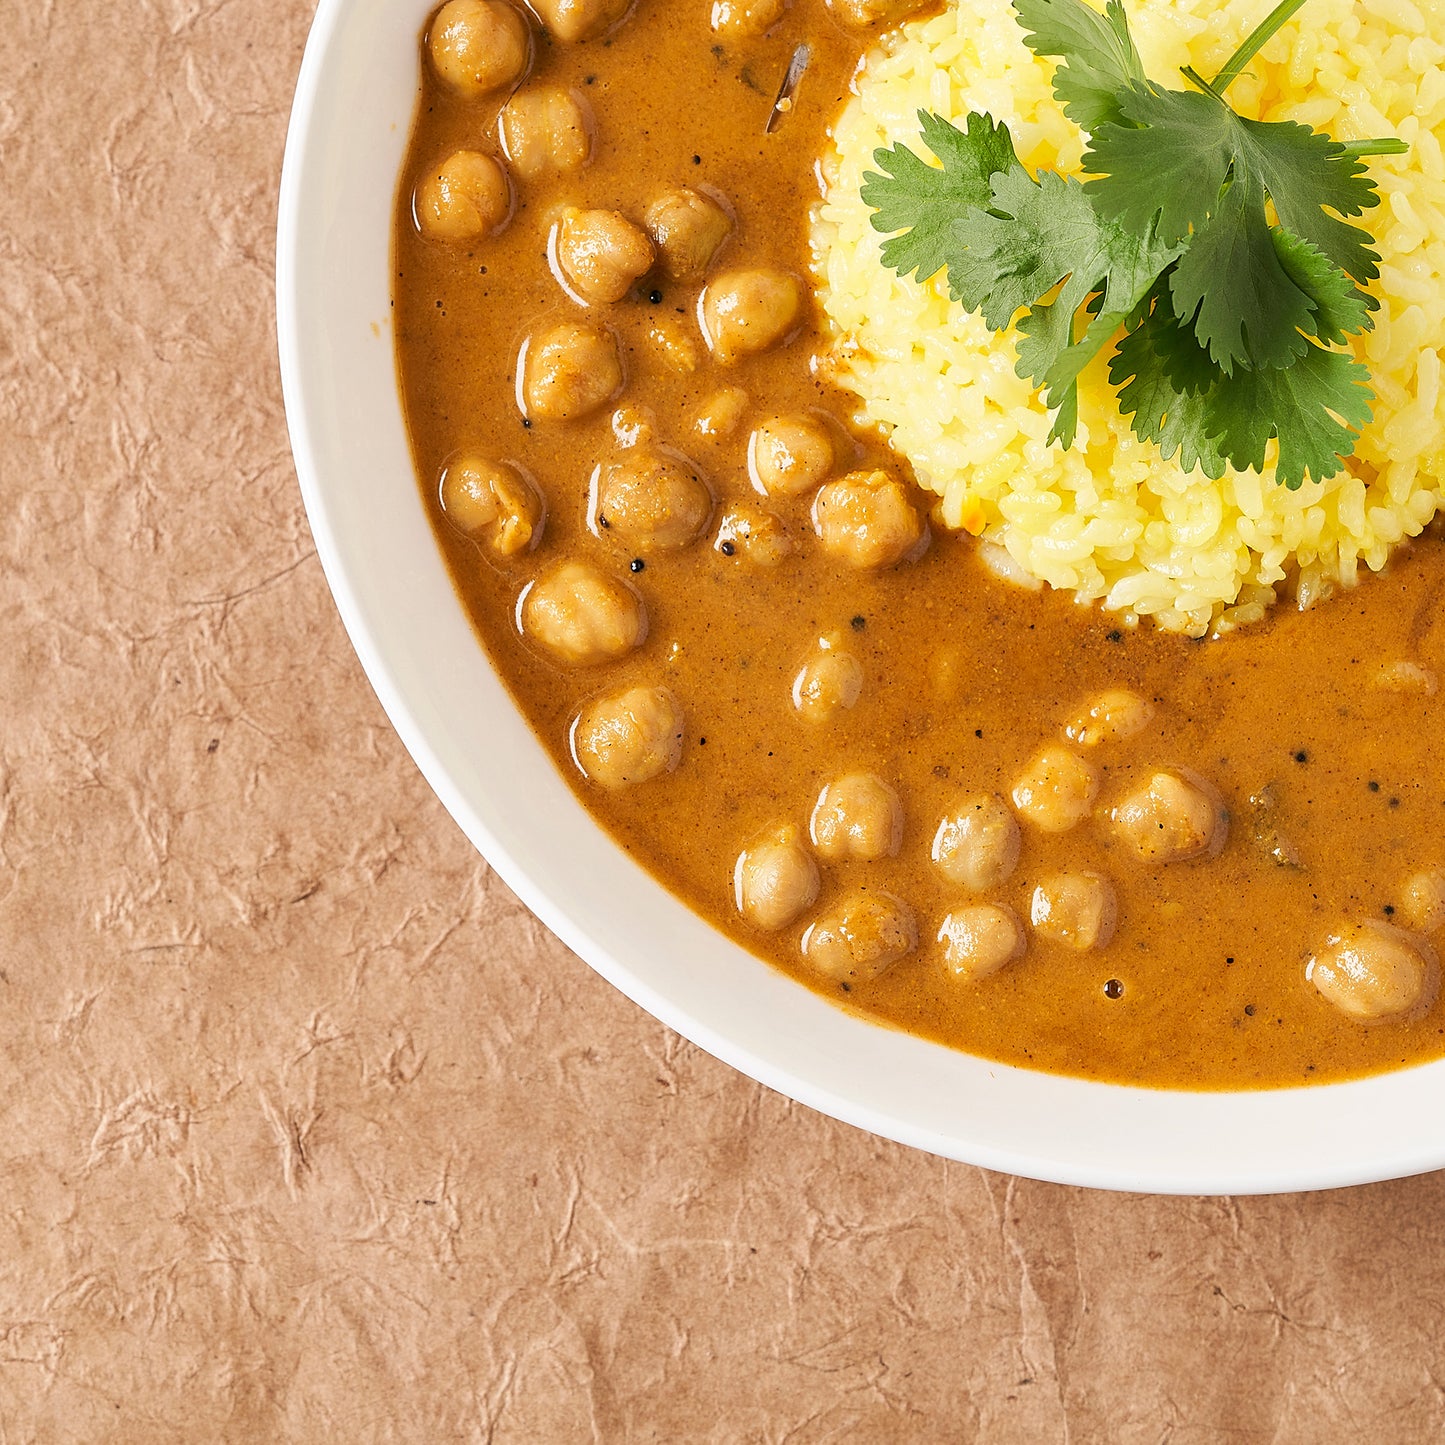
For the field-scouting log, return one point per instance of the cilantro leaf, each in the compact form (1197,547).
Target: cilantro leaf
(1314,407)
(1306,172)
(1037,235)
(1167,158)
(1231,287)
(1177,399)
(1342,310)
(1161,408)
(1174,150)
(1096,54)
(924,202)
(1032,236)
(1189,163)
(1046,334)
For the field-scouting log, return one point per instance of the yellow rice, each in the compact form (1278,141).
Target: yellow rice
(1111,520)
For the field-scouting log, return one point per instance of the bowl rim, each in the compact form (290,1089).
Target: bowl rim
(1126,1169)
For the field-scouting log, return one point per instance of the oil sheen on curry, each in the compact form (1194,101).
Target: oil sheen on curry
(861,743)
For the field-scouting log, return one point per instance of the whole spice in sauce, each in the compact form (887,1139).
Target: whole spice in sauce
(1231,320)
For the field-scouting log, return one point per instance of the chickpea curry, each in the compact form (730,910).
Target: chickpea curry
(978,812)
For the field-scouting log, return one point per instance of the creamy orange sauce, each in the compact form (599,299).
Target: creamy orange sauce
(964,676)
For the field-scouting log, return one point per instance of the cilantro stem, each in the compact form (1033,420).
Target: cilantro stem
(1199,82)
(1257,39)
(1386,146)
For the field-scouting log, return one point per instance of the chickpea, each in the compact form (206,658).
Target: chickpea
(1373,971)
(1079,910)
(651,500)
(1406,676)
(479,45)
(864,13)
(721,413)
(600,254)
(675,348)
(829,682)
(980,940)
(789,455)
(494,502)
(1110,717)
(776,879)
(1171,820)
(977,844)
(745,312)
(862,936)
(753,534)
(1424,901)
(1056,790)
(572,21)
(569,371)
(582,616)
(468,195)
(857,816)
(688,228)
(746,17)
(633,426)
(866,519)
(628,737)
(546,130)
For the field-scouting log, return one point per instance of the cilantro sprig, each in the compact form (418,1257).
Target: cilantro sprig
(1222,248)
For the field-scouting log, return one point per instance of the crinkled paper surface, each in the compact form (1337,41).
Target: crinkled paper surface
(310,1131)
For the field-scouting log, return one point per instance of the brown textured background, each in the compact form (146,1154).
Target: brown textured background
(308,1132)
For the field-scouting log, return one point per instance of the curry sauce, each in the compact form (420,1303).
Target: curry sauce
(1318,729)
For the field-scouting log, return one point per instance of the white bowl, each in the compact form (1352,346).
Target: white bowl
(349,129)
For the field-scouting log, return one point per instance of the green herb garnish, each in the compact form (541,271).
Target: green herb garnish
(1219,245)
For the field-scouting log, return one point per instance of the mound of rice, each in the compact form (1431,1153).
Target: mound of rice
(1110,519)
